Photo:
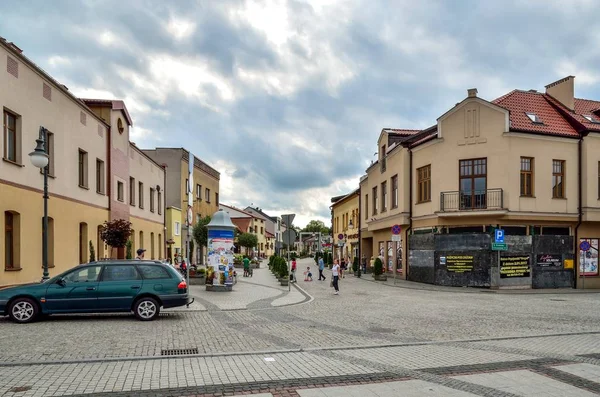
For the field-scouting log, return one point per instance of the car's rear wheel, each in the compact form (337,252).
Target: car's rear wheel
(23,310)
(146,309)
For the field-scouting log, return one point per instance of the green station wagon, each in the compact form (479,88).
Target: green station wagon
(99,287)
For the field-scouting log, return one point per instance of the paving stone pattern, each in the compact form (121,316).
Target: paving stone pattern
(431,341)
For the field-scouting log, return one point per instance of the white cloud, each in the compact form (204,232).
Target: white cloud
(567,67)
(58,61)
(180,28)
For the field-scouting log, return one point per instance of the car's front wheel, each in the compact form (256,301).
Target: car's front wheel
(146,309)
(23,310)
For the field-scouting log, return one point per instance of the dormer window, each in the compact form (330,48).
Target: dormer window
(534,118)
(591,119)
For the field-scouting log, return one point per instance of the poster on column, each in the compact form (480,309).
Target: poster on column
(588,260)
(220,257)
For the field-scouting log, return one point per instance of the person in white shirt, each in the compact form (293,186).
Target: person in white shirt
(335,273)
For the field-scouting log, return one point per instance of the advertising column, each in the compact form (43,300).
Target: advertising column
(219,266)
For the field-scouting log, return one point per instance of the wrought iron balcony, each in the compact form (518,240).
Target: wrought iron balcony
(472,200)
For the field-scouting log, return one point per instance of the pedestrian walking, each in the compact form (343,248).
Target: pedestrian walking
(246,262)
(321,268)
(335,274)
(293,278)
(363,263)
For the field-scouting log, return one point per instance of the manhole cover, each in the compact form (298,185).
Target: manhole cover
(178,352)
(19,389)
(381,330)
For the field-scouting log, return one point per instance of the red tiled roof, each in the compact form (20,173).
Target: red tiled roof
(518,103)
(587,107)
(399,131)
(116,104)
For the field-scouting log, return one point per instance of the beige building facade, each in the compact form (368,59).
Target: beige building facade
(512,164)
(87,177)
(345,221)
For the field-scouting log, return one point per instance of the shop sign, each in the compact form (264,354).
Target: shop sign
(549,260)
(515,266)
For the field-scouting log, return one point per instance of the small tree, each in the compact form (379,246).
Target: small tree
(200,232)
(248,240)
(92,252)
(378,267)
(115,233)
(129,250)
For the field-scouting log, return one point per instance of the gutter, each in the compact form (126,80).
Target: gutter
(410,205)
(358,226)
(580,198)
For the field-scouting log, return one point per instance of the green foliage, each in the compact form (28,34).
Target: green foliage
(248,240)
(329,258)
(378,268)
(271,260)
(129,250)
(200,232)
(115,233)
(201,270)
(293,255)
(316,226)
(355,265)
(238,259)
(92,252)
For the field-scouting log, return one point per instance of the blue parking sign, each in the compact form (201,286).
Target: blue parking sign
(499,236)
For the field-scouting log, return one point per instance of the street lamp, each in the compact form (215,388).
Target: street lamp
(350,227)
(39,158)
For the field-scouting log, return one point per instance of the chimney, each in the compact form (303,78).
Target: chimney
(472,92)
(563,91)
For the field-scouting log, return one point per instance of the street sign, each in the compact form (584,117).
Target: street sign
(340,243)
(340,236)
(288,219)
(396,229)
(499,247)
(585,246)
(190,216)
(289,237)
(499,236)
(395,237)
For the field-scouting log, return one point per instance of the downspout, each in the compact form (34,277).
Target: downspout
(358,226)
(164,210)
(580,201)
(410,205)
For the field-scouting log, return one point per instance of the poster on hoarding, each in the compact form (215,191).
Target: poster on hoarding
(588,260)
(514,266)
(220,257)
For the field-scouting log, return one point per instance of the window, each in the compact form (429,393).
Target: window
(262,230)
(186,189)
(83,242)
(473,184)
(591,119)
(152,272)
(151,200)
(207,194)
(383,196)
(131,191)
(177,228)
(141,194)
(83,178)
(375,205)
(534,118)
(366,206)
(395,191)
(255,229)
(120,191)
(86,275)
(120,273)
(527,176)
(11,240)
(151,245)
(159,203)
(424,184)
(100,177)
(11,142)
(217,198)
(199,192)
(558,179)
(49,149)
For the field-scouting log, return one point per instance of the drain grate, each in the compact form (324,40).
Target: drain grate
(178,352)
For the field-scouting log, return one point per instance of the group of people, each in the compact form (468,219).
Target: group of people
(336,273)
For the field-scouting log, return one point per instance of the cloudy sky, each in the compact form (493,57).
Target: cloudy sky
(287,98)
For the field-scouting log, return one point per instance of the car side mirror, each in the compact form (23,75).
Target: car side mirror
(62,282)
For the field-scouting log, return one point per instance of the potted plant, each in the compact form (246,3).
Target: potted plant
(378,271)
(198,277)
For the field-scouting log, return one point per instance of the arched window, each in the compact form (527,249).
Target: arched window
(83,242)
(160,245)
(152,245)
(12,240)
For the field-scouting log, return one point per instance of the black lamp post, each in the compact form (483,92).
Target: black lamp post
(39,158)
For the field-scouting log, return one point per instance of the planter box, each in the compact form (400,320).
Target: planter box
(284,281)
(218,288)
(197,280)
(382,277)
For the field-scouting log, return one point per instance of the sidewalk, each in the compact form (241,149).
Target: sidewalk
(400,283)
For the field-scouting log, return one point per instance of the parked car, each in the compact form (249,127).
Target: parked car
(137,286)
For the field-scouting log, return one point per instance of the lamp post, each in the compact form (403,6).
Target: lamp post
(39,158)
(350,227)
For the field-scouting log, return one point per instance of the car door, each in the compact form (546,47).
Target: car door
(75,292)
(118,287)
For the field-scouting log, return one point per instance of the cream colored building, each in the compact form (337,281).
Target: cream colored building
(89,169)
(512,164)
(205,191)
(345,216)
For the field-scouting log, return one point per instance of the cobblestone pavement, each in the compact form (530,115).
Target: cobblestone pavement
(398,340)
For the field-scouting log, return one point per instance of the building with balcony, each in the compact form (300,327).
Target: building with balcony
(90,164)
(345,218)
(204,190)
(527,163)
